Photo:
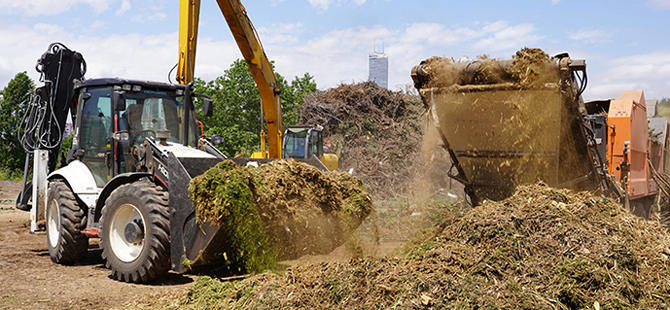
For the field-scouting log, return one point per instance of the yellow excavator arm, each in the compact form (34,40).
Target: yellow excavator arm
(252,50)
(189,14)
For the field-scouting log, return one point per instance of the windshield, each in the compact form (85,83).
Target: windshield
(295,144)
(148,112)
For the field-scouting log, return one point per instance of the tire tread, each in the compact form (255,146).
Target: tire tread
(157,261)
(72,245)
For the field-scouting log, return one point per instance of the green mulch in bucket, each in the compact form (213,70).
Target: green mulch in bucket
(279,211)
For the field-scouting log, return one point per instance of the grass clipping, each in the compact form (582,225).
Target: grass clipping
(542,248)
(279,211)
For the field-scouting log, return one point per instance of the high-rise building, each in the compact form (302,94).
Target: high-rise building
(379,69)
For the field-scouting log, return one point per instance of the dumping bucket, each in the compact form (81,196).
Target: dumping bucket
(501,133)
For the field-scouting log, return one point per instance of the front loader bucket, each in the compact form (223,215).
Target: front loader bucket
(190,241)
(194,243)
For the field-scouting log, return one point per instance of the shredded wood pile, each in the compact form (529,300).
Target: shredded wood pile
(374,131)
(542,248)
(279,211)
(530,68)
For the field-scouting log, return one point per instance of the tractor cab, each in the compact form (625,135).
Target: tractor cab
(115,115)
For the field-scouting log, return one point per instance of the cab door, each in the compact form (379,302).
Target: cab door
(315,143)
(94,131)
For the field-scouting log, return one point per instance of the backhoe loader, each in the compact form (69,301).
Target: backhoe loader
(135,150)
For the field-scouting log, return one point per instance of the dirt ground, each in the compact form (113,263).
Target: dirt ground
(30,280)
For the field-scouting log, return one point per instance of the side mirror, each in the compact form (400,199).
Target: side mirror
(208,107)
(216,139)
(119,100)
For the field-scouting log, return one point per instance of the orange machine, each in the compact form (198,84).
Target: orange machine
(628,139)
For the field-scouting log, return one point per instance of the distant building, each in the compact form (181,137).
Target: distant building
(651,107)
(379,69)
(407,89)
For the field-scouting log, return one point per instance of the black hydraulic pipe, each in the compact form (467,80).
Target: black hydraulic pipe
(188,103)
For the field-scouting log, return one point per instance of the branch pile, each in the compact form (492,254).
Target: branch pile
(375,131)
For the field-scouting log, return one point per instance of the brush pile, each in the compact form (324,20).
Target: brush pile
(279,211)
(374,131)
(542,248)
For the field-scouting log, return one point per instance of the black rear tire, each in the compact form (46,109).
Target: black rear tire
(65,220)
(143,205)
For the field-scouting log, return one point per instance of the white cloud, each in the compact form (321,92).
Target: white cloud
(555,2)
(157,16)
(97,24)
(49,29)
(320,4)
(141,18)
(341,55)
(278,33)
(508,37)
(648,72)
(49,7)
(593,36)
(131,56)
(334,57)
(495,27)
(659,4)
(323,5)
(125,6)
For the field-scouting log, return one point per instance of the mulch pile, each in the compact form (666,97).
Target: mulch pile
(279,211)
(374,131)
(542,248)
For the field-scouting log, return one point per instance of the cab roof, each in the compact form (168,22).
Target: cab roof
(118,81)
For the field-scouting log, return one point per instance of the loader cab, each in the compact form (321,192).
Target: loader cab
(302,142)
(148,108)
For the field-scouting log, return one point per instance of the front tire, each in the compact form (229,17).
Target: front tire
(135,234)
(65,220)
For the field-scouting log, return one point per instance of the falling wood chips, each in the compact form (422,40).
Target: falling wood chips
(281,210)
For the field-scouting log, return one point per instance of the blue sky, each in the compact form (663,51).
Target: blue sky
(625,43)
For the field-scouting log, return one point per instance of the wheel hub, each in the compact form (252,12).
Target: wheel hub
(126,233)
(133,233)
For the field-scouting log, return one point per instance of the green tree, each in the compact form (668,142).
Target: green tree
(294,96)
(13,103)
(237,110)
(663,107)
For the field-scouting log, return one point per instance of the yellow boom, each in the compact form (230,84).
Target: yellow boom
(252,50)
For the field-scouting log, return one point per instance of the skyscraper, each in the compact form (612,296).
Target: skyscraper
(379,69)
